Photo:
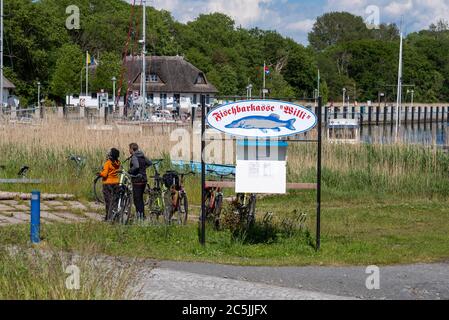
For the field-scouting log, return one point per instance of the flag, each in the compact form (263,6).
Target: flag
(267,70)
(90,60)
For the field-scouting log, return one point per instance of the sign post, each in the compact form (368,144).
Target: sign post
(203,172)
(318,191)
(266,122)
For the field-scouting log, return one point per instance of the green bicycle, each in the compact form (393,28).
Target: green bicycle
(159,197)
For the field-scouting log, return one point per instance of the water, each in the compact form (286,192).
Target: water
(428,134)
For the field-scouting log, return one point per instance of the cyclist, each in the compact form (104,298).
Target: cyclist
(110,178)
(138,167)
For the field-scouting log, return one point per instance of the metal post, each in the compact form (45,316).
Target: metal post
(203,171)
(318,194)
(114,79)
(144,49)
(35,217)
(1,56)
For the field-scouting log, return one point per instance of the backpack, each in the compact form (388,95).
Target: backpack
(171,178)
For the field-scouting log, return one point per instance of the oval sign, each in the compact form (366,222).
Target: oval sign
(262,118)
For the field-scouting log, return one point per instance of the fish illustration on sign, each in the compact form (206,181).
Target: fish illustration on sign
(271,122)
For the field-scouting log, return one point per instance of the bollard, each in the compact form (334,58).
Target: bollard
(35,216)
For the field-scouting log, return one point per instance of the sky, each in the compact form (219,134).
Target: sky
(295,18)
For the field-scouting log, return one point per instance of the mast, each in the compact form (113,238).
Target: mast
(399,91)
(87,73)
(264,79)
(1,56)
(144,47)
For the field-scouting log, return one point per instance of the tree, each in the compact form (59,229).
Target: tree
(335,28)
(109,65)
(68,71)
(301,72)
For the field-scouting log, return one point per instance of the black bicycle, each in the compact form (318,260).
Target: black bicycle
(245,206)
(120,209)
(214,199)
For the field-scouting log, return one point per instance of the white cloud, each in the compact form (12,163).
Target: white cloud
(301,26)
(244,12)
(398,8)
(417,14)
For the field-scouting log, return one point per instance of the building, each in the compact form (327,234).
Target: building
(8,89)
(170,81)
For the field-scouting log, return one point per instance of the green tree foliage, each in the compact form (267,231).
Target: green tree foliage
(66,78)
(109,65)
(38,47)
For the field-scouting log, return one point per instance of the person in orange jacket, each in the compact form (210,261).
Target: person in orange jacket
(110,178)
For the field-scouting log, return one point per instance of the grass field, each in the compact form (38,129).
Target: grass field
(381,204)
(356,233)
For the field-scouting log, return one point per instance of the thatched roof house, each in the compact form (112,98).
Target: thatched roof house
(169,75)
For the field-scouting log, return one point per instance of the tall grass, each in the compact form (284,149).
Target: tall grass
(32,274)
(348,170)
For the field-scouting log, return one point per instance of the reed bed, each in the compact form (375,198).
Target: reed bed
(348,170)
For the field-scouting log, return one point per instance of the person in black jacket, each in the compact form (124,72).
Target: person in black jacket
(138,167)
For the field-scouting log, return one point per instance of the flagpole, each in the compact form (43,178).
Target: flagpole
(264,79)
(87,73)
(1,56)
(399,91)
(319,80)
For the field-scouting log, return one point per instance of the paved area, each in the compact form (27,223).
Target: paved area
(409,282)
(167,284)
(70,211)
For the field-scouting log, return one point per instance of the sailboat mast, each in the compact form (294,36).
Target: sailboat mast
(399,90)
(144,49)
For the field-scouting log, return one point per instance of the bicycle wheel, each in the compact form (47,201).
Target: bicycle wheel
(183,209)
(155,205)
(97,188)
(251,210)
(168,207)
(125,212)
(121,209)
(217,210)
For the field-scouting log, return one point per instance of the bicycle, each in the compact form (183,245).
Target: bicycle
(120,210)
(214,200)
(157,203)
(179,200)
(245,204)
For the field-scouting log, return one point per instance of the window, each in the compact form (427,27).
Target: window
(150,97)
(207,99)
(195,99)
(163,97)
(152,78)
(200,79)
